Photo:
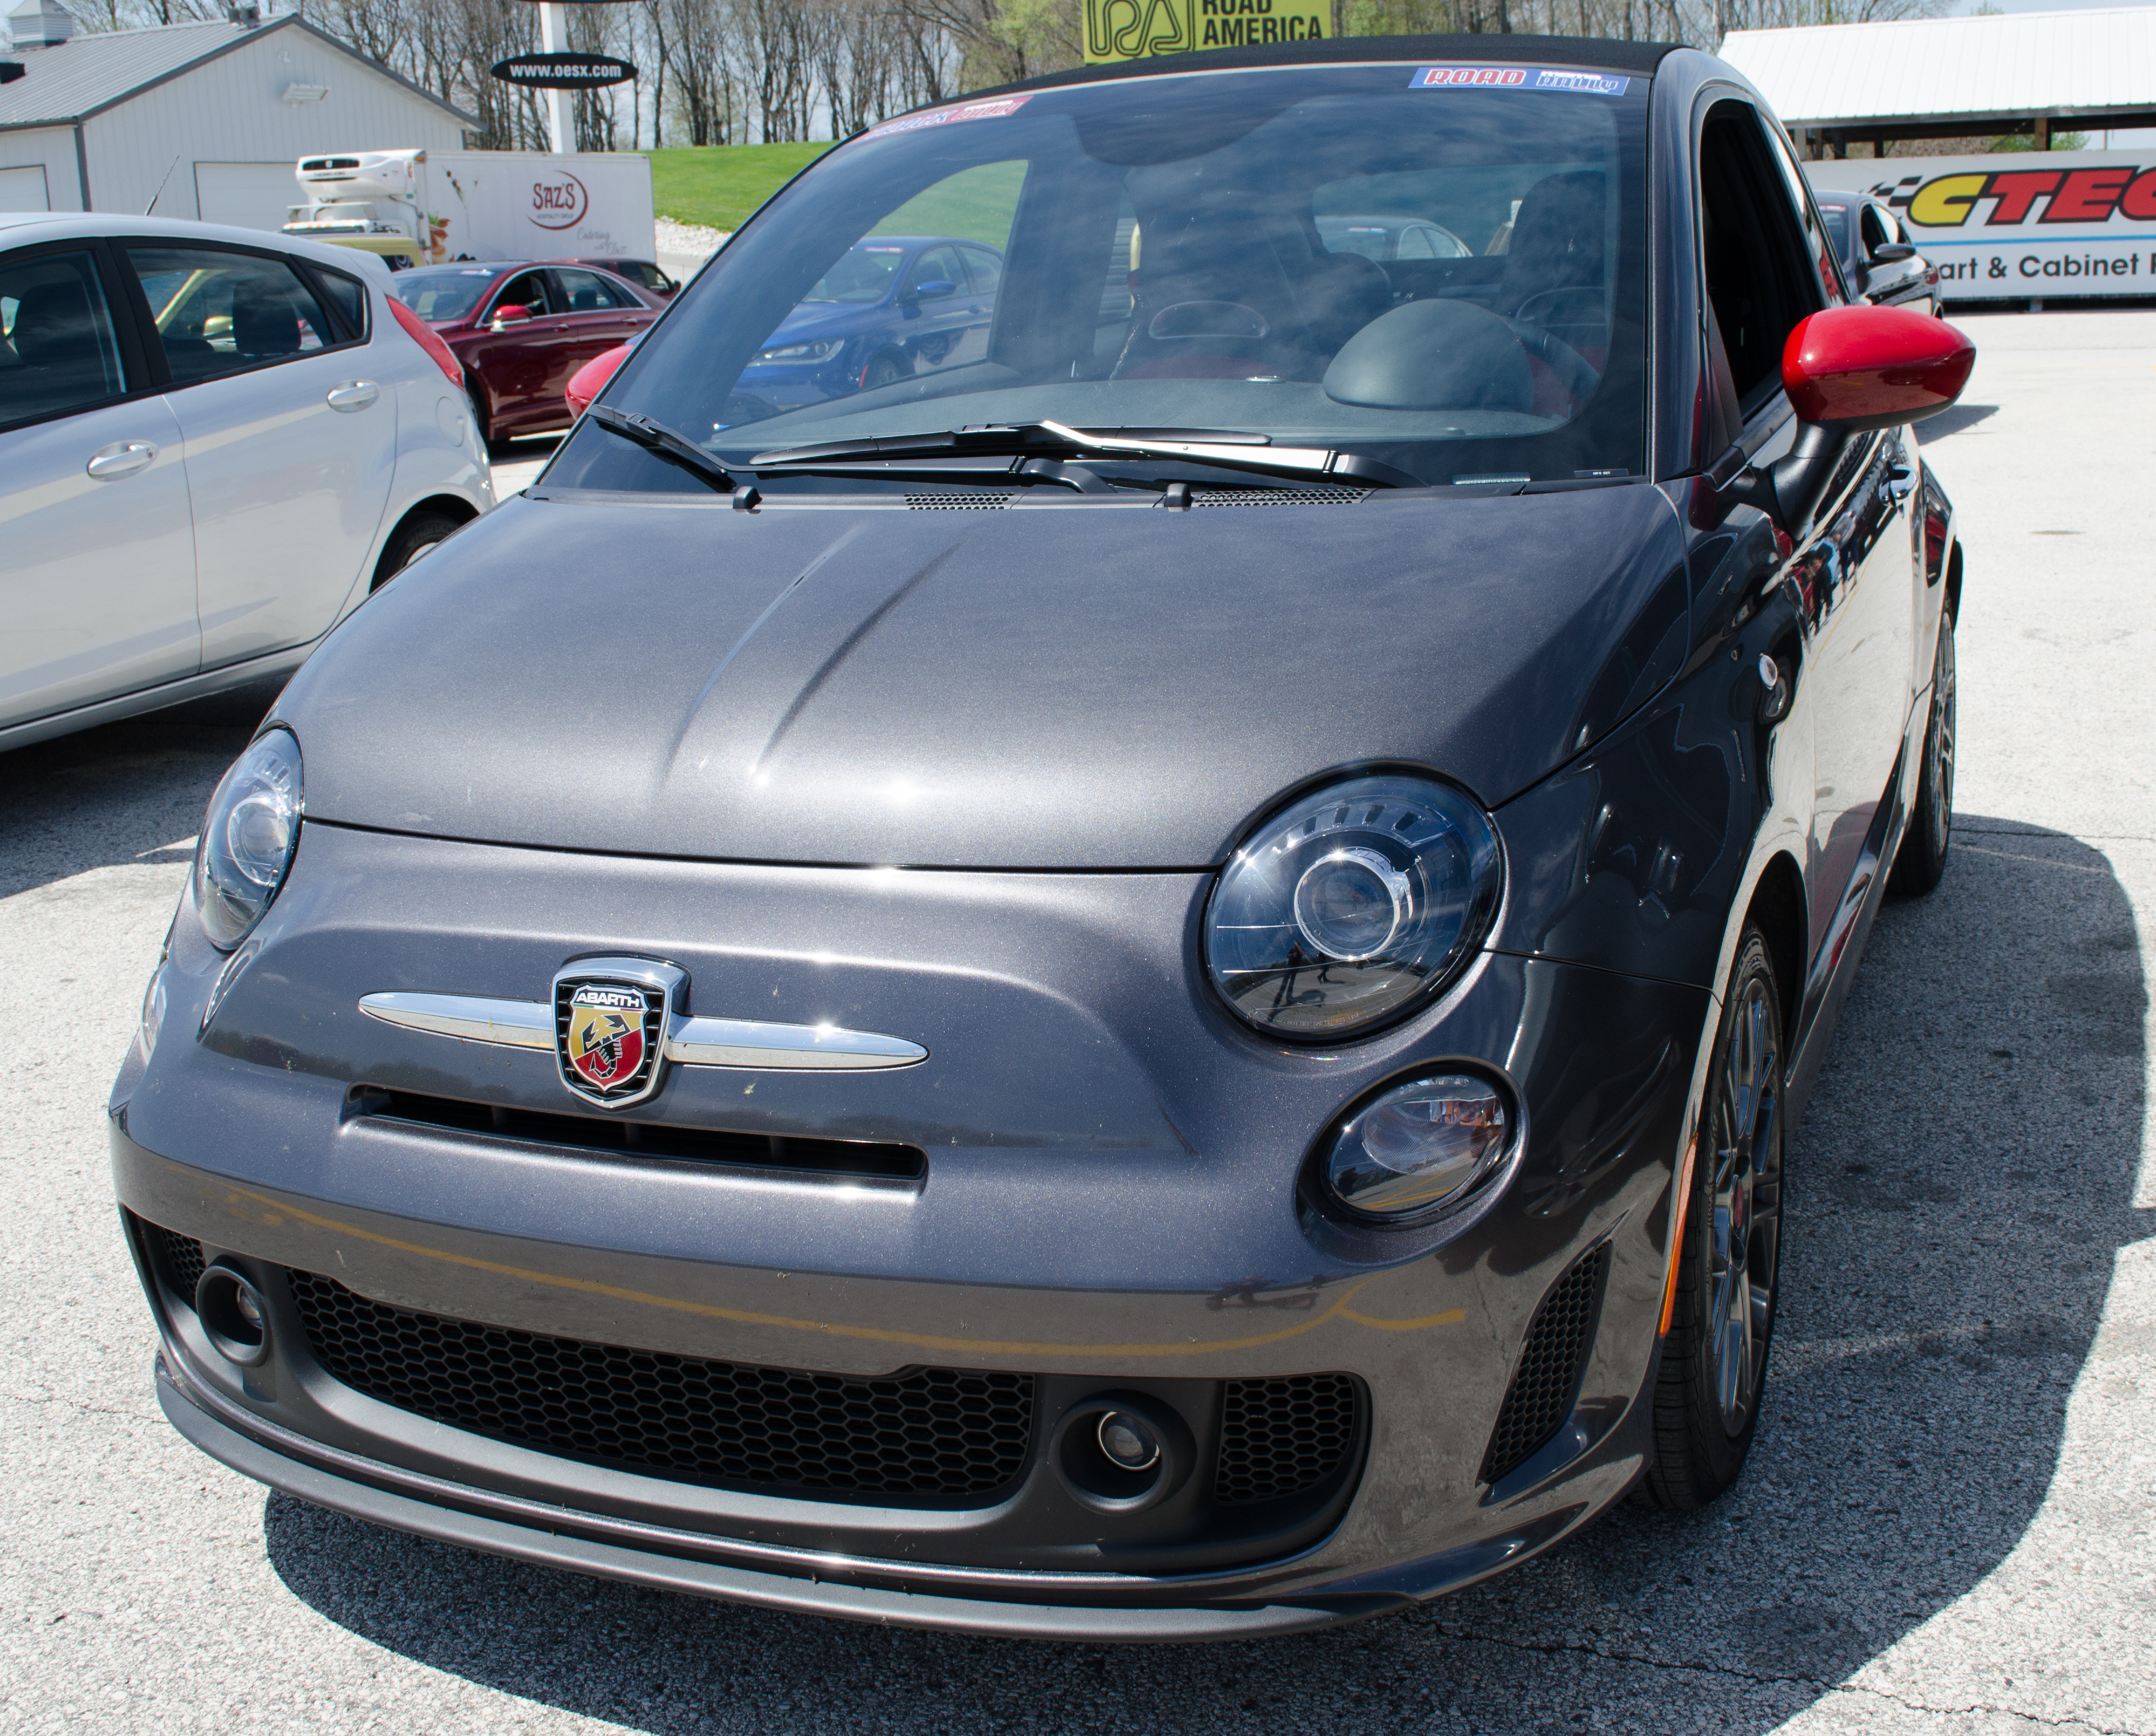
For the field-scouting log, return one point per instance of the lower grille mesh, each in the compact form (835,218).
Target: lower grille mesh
(921,1432)
(1279,1437)
(1541,1395)
(182,1258)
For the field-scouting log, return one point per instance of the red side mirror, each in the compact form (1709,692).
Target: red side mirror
(509,312)
(1854,368)
(588,382)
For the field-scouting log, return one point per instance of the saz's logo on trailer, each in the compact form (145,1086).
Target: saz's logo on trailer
(559,201)
(608,1039)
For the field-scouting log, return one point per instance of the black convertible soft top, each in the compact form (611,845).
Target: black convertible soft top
(1633,57)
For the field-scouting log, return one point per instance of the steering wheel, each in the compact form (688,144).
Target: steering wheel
(1573,371)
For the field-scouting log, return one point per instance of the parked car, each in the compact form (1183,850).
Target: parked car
(520,331)
(1391,238)
(1879,261)
(892,307)
(213,443)
(586,383)
(1152,984)
(645,274)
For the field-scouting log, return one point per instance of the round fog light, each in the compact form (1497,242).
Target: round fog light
(233,1317)
(1129,1443)
(1420,1147)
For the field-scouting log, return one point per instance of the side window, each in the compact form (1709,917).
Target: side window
(347,298)
(528,291)
(588,292)
(56,348)
(938,265)
(1760,277)
(219,312)
(987,270)
(1818,246)
(1416,241)
(1878,232)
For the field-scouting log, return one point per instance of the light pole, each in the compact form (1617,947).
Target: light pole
(554,40)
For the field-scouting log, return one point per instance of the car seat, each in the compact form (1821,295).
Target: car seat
(1553,276)
(1224,300)
(265,320)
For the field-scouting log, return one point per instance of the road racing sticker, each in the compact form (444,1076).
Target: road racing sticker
(1517,78)
(995,108)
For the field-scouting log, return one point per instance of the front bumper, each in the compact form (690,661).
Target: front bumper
(1111,1206)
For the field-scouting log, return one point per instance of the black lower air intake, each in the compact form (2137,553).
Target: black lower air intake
(1554,1358)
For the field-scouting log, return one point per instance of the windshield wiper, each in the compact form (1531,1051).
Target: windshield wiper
(1211,446)
(657,436)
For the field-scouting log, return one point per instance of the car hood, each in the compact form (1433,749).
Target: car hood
(803,324)
(1030,687)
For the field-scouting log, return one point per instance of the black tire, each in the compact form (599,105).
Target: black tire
(413,538)
(493,447)
(1714,1360)
(886,367)
(1921,859)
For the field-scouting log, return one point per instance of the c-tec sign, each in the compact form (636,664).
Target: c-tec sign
(2021,224)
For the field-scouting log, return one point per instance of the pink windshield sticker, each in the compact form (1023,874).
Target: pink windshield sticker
(1518,78)
(994,108)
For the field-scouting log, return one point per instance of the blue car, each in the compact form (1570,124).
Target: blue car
(893,306)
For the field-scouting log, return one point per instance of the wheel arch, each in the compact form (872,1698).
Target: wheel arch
(457,509)
(1779,907)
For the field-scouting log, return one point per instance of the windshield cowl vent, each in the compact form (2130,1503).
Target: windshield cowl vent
(1277,496)
(958,502)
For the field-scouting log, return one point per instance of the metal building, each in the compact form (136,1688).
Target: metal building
(208,119)
(1836,85)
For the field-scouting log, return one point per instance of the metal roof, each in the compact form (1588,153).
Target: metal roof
(2015,64)
(88,74)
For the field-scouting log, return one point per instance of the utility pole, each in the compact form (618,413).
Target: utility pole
(554,40)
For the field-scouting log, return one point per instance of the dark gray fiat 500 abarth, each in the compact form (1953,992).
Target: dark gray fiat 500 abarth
(1148,981)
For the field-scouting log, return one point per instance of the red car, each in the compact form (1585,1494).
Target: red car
(645,272)
(520,331)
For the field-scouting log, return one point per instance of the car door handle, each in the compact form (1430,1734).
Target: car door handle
(353,395)
(124,458)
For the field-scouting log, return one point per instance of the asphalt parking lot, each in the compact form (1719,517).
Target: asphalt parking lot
(1950,1524)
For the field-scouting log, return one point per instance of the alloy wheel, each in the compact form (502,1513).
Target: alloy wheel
(1745,1189)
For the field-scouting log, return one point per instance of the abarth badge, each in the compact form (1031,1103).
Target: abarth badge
(610,1025)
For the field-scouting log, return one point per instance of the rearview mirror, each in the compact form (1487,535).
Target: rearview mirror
(935,289)
(1891,253)
(1849,371)
(508,313)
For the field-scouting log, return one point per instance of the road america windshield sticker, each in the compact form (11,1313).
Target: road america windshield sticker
(994,108)
(1518,78)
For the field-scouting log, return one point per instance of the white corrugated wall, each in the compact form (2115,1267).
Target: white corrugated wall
(233,110)
(51,148)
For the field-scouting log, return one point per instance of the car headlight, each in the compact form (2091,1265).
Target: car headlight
(248,835)
(1354,905)
(1419,1149)
(822,350)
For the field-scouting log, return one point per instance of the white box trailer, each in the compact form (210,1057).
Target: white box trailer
(431,206)
(2023,224)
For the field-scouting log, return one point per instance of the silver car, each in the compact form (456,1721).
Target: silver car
(213,442)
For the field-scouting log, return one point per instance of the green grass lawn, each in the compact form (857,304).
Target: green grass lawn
(719,185)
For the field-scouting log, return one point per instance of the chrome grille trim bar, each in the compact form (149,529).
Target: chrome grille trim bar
(689,1042)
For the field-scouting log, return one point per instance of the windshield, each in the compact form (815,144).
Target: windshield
(1441,269)
(1838,227)
(444,292)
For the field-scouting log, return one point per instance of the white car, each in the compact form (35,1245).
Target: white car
(213,443)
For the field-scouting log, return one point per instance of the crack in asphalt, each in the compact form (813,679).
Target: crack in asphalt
(1815,1684)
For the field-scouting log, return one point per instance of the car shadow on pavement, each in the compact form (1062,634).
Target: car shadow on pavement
(1957,1194)
(123,791)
